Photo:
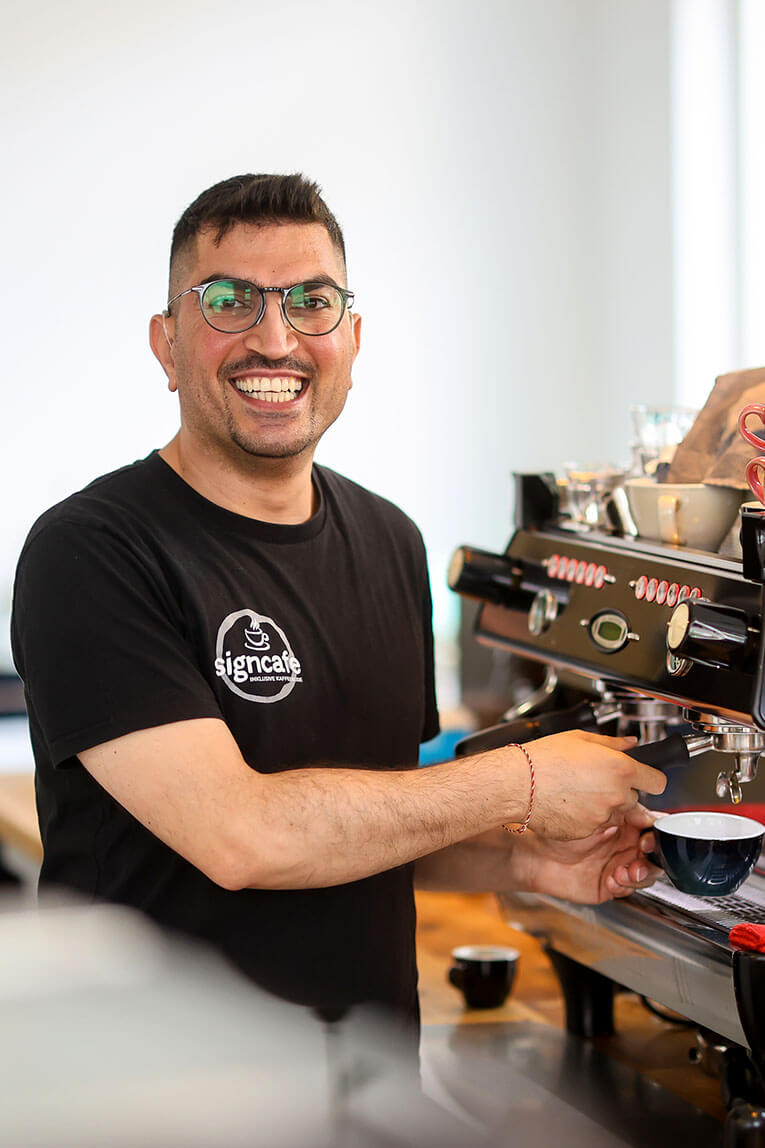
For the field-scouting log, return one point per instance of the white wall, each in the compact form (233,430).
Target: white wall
(751,96)
(501,171)
(707,223)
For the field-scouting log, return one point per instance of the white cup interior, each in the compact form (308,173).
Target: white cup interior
(484,953)
(710,826)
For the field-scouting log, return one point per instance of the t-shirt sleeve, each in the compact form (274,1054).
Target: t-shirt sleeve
(99,641)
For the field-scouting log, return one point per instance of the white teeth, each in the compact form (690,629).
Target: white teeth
(272,390)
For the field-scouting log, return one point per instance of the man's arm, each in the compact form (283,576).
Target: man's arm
(189,785)
(609,863)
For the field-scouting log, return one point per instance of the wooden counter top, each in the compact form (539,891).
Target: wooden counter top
(18,815)
(655,1048)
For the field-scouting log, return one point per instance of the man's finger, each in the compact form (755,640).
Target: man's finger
(620,743)
(648,779)
(628,879)
(651,874)
(647,843)
(640,818)
(640,874)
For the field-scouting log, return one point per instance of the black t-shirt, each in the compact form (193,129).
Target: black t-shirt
(137,603)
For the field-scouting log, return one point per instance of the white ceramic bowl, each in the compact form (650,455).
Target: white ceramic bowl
(683,513)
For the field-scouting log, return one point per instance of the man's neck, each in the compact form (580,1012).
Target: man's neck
(269,490)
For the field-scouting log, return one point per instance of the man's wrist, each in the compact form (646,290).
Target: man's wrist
(520,827)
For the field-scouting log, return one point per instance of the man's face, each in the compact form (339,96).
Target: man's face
(232,387)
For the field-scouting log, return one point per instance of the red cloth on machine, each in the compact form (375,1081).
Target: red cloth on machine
(748,936)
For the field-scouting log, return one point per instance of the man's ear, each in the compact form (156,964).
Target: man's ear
(355,332)
(161,329)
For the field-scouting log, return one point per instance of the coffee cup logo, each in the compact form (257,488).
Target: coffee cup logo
(254,658)
(257,639)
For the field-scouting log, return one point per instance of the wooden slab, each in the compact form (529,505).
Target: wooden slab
(18,814)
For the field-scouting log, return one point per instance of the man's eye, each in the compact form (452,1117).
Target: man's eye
(313,300)
(220,299)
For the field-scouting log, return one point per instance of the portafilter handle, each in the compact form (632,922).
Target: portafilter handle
(667,753)
(584,716)
(671,751)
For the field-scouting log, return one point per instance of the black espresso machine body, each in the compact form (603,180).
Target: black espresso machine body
(599,605)
(653,631)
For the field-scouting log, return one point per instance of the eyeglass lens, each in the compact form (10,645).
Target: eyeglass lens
(234,305)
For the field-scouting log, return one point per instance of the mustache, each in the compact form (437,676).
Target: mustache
(254,361)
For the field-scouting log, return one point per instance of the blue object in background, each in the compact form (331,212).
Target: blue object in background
(441,747)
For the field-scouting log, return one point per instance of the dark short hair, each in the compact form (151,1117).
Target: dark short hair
(255,199)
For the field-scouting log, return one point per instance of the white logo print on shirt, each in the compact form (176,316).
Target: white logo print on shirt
(254,657)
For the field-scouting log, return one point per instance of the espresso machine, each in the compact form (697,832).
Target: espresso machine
(665,642)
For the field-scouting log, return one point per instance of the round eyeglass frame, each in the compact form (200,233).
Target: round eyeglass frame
(200,289)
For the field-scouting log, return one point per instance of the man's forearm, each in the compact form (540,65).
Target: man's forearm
(609,863)
(330,826)
(301,828)
(483,864)
(312,827)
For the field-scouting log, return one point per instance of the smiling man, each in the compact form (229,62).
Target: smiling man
(227,657)
(265,368)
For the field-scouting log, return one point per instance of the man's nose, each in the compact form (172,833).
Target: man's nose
(272,336)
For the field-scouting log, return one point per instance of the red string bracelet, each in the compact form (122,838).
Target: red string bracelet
(523,826)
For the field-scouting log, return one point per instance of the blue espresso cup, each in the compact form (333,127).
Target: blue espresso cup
(707,854)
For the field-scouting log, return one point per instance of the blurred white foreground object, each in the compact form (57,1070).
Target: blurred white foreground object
(116,1033)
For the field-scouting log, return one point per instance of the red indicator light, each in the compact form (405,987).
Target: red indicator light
(589,577)
(653,586)
(640,587)
(661,592)
(600,577)
(673,594)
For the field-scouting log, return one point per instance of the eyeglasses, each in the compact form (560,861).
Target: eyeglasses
(234,305)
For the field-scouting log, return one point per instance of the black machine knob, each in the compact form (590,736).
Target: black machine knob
(500,579)
(488,577)
(711,634)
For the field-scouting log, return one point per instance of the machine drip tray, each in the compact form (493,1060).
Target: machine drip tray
(530,1084)
(722,913)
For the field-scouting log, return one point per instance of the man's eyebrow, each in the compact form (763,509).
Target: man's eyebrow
(327,279)
(320,278)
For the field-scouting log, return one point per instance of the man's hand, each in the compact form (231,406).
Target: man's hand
(586,782)
(609,863)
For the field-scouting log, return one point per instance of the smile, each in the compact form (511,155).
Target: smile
(271,390)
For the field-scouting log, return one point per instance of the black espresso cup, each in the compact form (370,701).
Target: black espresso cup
(484,974)
(707,854)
